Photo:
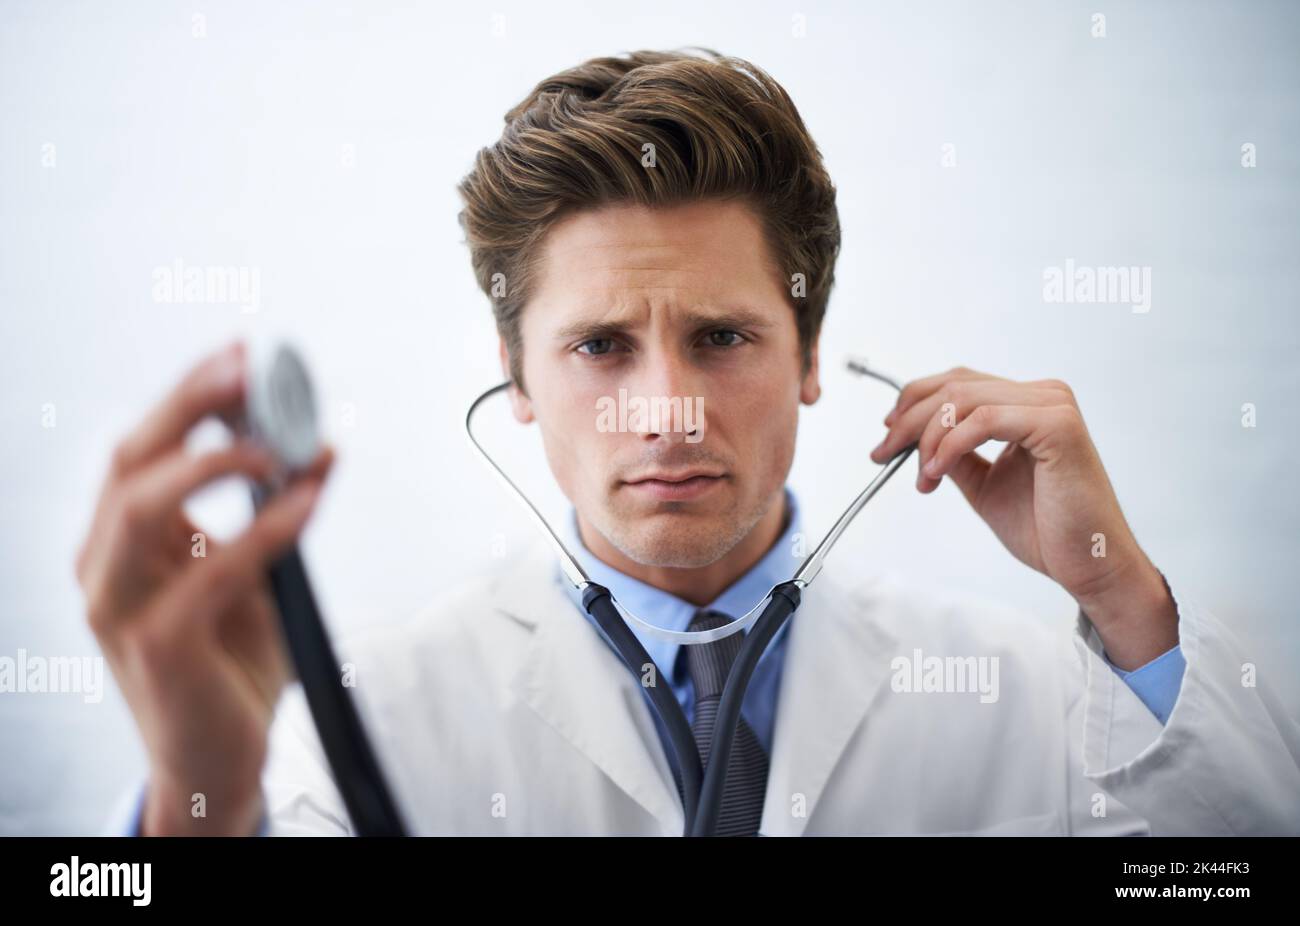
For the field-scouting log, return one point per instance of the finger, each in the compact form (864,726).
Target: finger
(1036,428)
(957,400)
(321,466)
(946,407)
(917,390)
(216,582)
(969,472)
(162,489)
(156,492)
(142,514)
(214,386)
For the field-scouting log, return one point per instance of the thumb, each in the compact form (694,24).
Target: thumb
(969,472)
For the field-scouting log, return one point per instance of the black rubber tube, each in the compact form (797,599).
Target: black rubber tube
(357,773)
(600,605)
(785,599)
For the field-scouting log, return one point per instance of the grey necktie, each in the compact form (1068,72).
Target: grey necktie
(709,664)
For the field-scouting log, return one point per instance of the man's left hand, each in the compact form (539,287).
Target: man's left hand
(1046,496)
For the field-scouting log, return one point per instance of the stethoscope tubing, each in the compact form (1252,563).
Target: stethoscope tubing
(783,603)
(357,772)
(600,605)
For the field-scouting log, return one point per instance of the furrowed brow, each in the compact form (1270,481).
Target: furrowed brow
(728,318)
(590,329)
(593,328)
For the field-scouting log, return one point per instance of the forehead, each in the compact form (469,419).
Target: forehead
(705,246)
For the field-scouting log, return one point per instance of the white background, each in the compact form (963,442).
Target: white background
(229,149)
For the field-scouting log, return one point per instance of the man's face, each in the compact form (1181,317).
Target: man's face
(681,303)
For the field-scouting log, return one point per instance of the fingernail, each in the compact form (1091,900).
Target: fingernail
(932,468)
(879,447)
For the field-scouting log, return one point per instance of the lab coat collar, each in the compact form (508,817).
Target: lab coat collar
(577,685)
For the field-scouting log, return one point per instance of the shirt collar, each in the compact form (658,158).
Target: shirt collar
(669,612)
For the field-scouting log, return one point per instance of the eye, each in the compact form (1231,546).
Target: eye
(724,337)
(596,346)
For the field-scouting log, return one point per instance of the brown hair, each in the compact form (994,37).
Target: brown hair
(721,128)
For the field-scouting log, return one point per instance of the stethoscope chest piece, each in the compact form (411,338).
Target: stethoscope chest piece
(281,404)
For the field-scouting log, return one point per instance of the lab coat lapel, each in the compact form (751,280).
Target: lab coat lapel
(577,685)
(837,660)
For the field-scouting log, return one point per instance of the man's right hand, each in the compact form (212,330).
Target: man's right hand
(193,640)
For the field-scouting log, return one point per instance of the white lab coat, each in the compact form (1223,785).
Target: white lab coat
(503,712)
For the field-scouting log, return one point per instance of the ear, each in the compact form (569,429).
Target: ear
(519,402)
(810,389)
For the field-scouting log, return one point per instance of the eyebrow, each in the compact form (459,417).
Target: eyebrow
(591,328)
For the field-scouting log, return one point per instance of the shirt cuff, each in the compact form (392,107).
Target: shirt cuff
(1157,683)
(124,820)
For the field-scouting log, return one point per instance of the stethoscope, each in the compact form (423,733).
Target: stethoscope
(281,415)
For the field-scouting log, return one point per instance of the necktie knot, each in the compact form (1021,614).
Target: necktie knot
(710,663)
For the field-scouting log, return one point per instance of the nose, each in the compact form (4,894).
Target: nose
(669,389)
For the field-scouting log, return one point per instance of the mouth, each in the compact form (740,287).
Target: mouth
(675,487)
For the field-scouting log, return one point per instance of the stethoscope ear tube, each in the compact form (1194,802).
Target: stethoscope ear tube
(784,600)
(600,605)
(356,770)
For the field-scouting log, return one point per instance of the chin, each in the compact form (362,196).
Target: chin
(667,544)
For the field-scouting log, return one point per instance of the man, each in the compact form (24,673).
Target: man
(662,223)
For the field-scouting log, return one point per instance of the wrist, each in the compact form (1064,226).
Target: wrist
(1135,615)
